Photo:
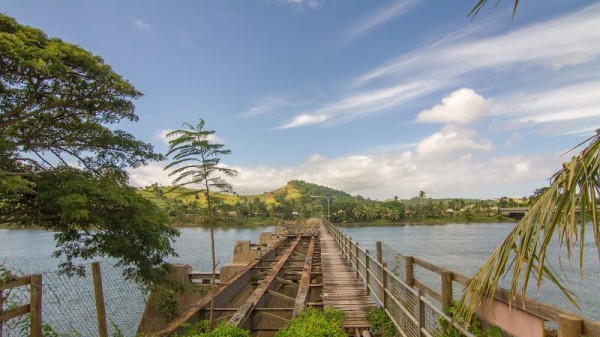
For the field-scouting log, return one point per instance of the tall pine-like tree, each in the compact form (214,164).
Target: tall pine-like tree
(196,161)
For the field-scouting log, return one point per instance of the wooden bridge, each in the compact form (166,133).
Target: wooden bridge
(319,266)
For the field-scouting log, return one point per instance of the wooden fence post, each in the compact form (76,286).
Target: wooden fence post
(35,305)
(379,252)
(385,281)
(422,322)
(345,245)
(569,326)
(1,309)
(99,296)
(446,289)
(356,259)
(367,272)
(409,271)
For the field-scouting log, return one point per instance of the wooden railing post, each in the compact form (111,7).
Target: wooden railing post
(446,289)
(385,281)
(356,259)
(409,271)
(569,326)
(422,322)
(1,309)
(99,296)
(35,305)
(367,272)
(379,252)
(345,245)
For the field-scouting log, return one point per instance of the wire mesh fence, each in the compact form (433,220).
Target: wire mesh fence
(69,307)
(412,313)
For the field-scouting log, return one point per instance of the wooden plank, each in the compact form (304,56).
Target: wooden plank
(428,291)
(35,313)
(302,295)
(99,299)
(427,265)
(15,312)
(341,288)
(19,282)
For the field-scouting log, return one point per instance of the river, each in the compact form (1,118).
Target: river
(459,247)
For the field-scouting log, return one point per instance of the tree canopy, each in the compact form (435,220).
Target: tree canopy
(63,162)
(56,100)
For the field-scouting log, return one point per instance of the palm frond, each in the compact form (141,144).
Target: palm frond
(574,189)
(480,3)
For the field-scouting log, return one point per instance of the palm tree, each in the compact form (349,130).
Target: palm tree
(421,197)
(196,161)
(563,210)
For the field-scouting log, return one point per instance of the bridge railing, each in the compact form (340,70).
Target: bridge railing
(413,314)
(415,306)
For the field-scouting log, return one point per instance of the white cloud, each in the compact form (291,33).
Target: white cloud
(572,39)
(462,106)
(363,103)
(140,25)
(266,105)
(451,141)
(304,120)
(395,9)
(563,110)
(572,58)
(404,173)
(300,4)
(162,136)
(545,43)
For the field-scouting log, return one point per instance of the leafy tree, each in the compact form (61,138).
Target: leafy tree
(56,104)
(537,194)
(196,161)
(574,188)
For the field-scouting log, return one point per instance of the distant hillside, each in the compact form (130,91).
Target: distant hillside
(295,200)
(293,190)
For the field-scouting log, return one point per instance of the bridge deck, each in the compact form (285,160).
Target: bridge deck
(341,288)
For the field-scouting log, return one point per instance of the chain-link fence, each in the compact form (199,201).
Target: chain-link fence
(69,306)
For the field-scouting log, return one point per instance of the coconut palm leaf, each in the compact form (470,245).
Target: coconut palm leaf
(562,211)
(479,5)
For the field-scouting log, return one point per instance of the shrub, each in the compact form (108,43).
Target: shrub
(314,323)
(200,329)
(381,324)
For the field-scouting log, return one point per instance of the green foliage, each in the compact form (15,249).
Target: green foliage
(57,104)
(381,324)
(201,329)
(314,323)
(561,212)
(196,160)
(475,327)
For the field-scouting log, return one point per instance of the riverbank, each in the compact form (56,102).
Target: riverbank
(252,222)
(434,221)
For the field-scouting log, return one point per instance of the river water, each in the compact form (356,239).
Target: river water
(459,247)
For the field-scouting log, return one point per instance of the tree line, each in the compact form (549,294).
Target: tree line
(299,200)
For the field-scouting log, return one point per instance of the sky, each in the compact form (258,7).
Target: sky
(377,98)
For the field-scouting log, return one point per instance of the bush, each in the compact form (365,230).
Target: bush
(200,329)
(314,323)
(381,324)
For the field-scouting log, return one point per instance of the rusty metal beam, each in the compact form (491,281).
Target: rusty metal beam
(302,296)
(281,296)
(240,317)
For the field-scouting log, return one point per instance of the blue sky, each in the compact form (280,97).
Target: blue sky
(378,98)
